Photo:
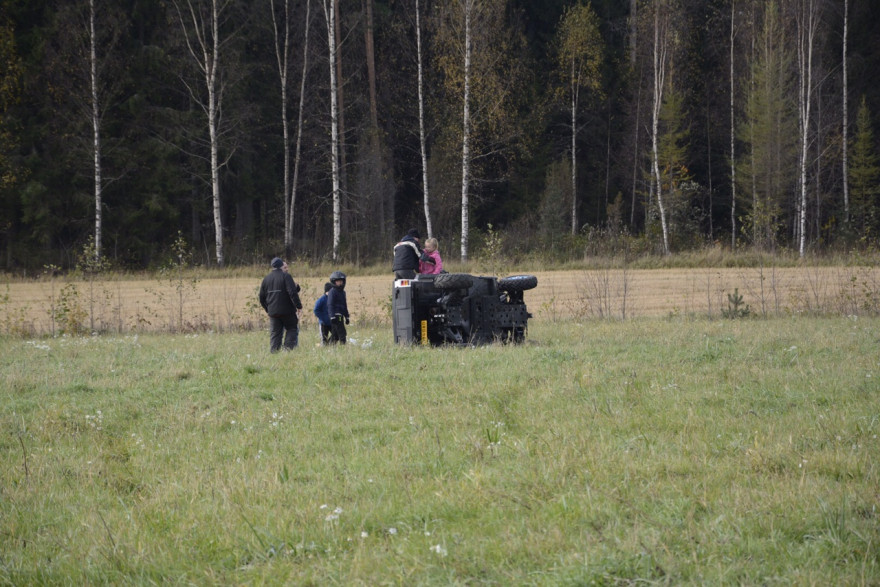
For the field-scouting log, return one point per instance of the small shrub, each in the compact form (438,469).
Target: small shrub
(736,308)
(70,315)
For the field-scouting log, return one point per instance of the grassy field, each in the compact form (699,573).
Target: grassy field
(657,450)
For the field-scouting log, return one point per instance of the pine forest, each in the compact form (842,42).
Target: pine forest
(324,129)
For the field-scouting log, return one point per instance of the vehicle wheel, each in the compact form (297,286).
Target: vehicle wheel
(453,281)
(518,283)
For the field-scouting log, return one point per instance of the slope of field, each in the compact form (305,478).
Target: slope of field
(220,304)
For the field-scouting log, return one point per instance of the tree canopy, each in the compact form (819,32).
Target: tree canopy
(202,148)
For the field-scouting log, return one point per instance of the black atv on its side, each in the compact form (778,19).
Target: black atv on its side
(460,309)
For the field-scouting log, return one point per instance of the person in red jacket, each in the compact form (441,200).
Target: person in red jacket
(279,296)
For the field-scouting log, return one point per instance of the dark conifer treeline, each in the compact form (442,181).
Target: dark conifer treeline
(149,107)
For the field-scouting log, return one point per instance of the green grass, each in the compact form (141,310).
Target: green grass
(653,451)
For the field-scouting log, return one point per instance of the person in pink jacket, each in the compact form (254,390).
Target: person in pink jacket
(434,264)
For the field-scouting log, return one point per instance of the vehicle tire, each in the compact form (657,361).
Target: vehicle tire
(453,281)
(518,283)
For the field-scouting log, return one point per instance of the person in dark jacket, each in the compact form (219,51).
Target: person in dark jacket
(279,296)
(407,254)
(337,307)
(323,315)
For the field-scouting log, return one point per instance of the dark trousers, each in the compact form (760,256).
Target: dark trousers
(337,331)
(287,325)
(404,274)
(325,333)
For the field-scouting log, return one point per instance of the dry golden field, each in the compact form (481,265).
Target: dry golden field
(49,306)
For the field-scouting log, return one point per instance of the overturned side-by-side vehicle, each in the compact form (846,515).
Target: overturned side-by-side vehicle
(460,309)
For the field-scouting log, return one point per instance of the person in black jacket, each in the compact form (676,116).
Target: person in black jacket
(337,307)
(279,296)
(407,254)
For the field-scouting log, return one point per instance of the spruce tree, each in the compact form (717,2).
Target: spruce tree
(864,176)
(766,168)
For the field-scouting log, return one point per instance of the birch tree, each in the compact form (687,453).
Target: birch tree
(807,23)
(341,128)
(580,55)
(297,156)
(660,60)
(329,7)
(201,22)
(423,150)
(96,126)
(485,80)
(89,36)
(469,8)
(283,54)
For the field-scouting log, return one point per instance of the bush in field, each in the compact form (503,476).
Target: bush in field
(91,264)
(69,313)
(184,283)
(736,308)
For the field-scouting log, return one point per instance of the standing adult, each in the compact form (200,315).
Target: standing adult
(407,254)
(337,307)
(279,296)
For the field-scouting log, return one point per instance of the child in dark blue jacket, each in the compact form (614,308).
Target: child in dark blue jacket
(323,315)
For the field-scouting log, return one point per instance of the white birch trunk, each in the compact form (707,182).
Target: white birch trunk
(212,59)
(206,53)
(845,90)
(282,55)
(96,129)
(465,143)
(299,123)
(806,34)
(422,142)
(330,15)
(660,48)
